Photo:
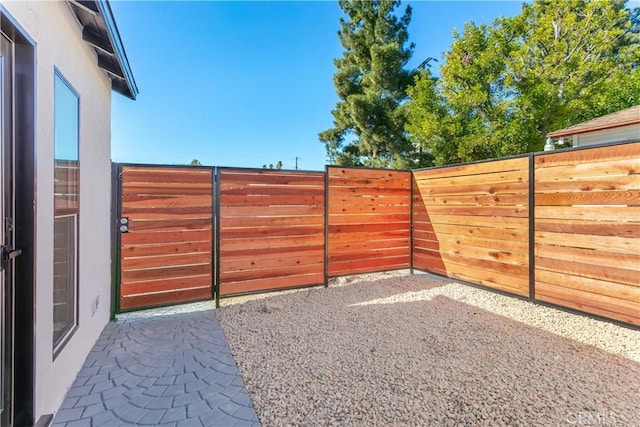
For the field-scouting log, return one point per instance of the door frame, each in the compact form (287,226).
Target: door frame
(24,124)
(7,279)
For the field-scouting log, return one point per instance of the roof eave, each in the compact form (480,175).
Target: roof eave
(569,132)
(100,31)
(118,48)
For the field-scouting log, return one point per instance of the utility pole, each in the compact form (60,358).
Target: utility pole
(297,158)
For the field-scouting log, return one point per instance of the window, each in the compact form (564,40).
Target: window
(66,212)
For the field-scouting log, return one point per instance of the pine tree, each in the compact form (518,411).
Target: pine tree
(371,83)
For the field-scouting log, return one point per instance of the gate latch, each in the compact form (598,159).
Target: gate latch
(124,225)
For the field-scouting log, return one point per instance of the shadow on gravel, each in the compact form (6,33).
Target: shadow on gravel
(400,350)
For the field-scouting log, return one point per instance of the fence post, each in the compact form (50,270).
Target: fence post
(532,229)
(116,246)
(216,235)
(326,226)
(411,223)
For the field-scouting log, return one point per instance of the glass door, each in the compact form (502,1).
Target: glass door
(7,250)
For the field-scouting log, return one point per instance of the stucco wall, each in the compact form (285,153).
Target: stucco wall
(59,44)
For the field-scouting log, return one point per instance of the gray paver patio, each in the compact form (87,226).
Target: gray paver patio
(167,367)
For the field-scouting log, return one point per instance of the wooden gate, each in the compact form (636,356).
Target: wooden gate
(271,230)
(165,222)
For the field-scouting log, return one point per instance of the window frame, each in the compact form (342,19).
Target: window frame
(59,345)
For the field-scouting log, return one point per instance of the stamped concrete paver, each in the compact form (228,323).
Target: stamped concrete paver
(168,366)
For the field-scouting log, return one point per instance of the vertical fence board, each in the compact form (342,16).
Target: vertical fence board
(271,230)
(369,220)
(587,234)
(471,223)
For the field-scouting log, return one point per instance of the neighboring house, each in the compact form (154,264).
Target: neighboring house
(620,126)
(59,62)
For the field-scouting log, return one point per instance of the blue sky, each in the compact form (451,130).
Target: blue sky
(248,83)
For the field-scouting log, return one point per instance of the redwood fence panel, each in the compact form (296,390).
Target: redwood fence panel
(271,230)
(165,256)
(369,220)
(562,228)
(471,222)
(587,230)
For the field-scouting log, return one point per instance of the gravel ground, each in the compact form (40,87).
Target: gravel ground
(419,350)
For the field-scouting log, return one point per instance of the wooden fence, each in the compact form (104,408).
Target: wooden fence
(271,231)
(165,252)
(587,230)
(369,220)
(561,228)
(471,222)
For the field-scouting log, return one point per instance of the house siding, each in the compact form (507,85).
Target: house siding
(618,134)
(59,45)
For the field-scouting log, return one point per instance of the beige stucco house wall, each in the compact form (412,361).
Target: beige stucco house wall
(57,32)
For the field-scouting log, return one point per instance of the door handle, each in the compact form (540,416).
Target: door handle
(9,253)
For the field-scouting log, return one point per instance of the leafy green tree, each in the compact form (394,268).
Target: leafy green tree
(371,83)
(195,162)
(504,86)
(278,165)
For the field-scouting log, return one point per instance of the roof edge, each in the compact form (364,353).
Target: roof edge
(114,37)
(568,132)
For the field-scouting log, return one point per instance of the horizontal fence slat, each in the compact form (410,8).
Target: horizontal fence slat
(270,284)
(130,276)
(265,200)
(478,168)
(476,200)
(580,184)
(302,230)
(175,225)
(265,221)
(481,221)
(145,262)
(268,272)
(254,263)
(607,243)
(589,213)
(631,197)
(176,296)
(589,301)
(192,282)
(586,284)
(272,242)
(608,168)
(572,303)
(153,237)
(338,173)
(164,201)
(594,228)
(590,270)
(588,155)
(164,249)
(601,258)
